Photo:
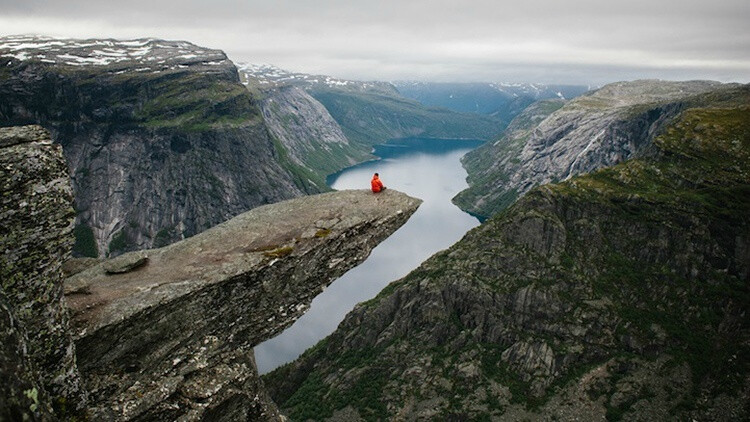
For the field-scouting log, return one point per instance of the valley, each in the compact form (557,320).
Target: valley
(428,169)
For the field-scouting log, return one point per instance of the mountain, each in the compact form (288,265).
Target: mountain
(161,138)
(618,294)
(501,100)
(548,143)
(371,113)
(483,197)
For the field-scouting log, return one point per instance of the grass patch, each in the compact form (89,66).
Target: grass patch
(279,252)
(322,233)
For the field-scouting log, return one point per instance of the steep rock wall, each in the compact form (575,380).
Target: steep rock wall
(311,137)
(592,131)
(371,112)
(40,377)
(621,294)
(162,140)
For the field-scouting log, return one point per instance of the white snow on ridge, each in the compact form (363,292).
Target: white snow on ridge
(144,52)
(20,56)
(267,74)
(78,60)
(136,43)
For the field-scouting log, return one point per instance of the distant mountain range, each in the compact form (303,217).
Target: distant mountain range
(610,280)
(553,140)
(502,100)
(373,112)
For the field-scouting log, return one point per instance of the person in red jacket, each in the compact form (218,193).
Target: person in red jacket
(376,184)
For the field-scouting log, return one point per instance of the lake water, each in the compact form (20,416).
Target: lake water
(428,169)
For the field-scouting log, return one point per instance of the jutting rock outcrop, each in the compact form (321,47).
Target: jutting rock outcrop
(167,334)
(40,379)
(620,294)
(550,143)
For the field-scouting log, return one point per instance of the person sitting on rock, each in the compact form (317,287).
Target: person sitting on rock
(376,184)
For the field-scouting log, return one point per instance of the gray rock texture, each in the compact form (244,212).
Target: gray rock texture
(172,339)
(596,130)
(620,295)
(38,362)
(125,263)
(161,139)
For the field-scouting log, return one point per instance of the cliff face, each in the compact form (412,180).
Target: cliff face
(622,294)
(484,196)
(593,131)
(168,333)
(162,140)
(37,359)
(309,134)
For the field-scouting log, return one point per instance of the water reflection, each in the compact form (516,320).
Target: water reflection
(426,169)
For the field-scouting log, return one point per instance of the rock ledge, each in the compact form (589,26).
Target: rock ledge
(173,338)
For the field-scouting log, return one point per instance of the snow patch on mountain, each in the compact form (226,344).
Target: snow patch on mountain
(267,75)
(145,54)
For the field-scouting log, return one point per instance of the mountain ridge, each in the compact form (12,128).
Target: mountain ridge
(595,130)
(502,100)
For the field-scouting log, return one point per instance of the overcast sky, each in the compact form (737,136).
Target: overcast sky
(586,41)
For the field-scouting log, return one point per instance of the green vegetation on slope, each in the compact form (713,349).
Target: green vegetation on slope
(85,244)
(374,117)
(209,103)
(304,177)
(595,130)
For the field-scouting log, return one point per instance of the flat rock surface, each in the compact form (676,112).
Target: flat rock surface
(247,242)
(14,135)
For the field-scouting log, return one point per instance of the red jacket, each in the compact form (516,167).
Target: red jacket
(376,184)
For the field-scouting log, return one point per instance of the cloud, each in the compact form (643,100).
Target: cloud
(577,41)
